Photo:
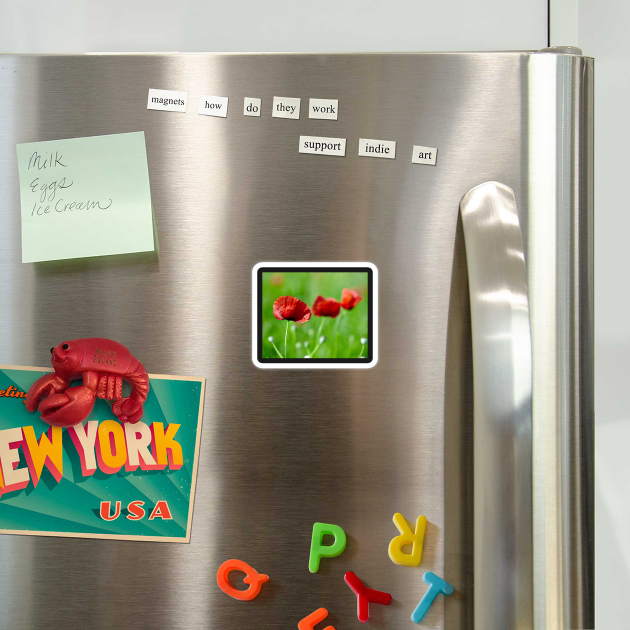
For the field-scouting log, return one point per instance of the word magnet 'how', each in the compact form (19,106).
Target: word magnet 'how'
(436,586)
(319,550)
(309,623)
(407,537)
(252,577)
(365,595)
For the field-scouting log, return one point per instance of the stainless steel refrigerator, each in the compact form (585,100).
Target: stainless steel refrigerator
(478,413)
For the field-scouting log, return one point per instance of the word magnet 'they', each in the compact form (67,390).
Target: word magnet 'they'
(319,550)
(407,537)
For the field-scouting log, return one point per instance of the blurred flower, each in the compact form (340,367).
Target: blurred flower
(363,340)
(306,344)
(289,307)
(322,339)
(298,344)
(311,332)
(350,298)
(326,307)
(307,357)
(270,339)
(277,279)
(351,338)
(293,327)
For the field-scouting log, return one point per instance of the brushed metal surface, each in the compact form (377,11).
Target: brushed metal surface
(560,275)
(502,368)
(280,449)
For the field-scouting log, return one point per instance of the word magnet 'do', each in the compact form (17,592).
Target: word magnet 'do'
(252,577)
(407,537)
(319,550)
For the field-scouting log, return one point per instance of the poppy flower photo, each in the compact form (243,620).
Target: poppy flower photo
(350,298)
(314,314)
(326,307)
(288,307)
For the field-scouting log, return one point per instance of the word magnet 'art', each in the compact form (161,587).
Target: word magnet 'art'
(98,448)
(365,595)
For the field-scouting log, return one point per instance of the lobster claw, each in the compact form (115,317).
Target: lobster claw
(68,408)
(128,410)
(43,386)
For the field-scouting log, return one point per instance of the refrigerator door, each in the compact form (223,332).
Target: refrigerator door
(283,449)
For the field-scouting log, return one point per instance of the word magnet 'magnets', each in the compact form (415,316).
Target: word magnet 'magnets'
(407,537)
(319,550)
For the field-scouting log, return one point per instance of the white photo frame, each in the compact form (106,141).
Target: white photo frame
(314,364)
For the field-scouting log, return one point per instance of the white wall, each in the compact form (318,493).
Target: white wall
(272,25)
(604,29)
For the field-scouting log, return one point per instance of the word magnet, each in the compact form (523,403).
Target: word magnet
(285,107)
(322,146)
(424,155)
(252,577)
(407,537)
(377,148)
(323,108)
(251,106)
(365,595)
(319,550)
(167,100)
(213,106)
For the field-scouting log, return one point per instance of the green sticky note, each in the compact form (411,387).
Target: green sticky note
(85,197)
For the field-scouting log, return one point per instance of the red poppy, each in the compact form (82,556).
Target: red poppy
(350,298)
(326,307)
(288,307)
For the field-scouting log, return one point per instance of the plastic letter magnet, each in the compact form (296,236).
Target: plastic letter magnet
(365,596)
(308,623)
(407,537)
(252,577)
(436,586)
(319,551)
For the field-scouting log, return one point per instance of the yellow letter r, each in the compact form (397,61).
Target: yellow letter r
(407,537)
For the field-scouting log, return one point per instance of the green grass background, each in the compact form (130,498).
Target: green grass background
(306,286)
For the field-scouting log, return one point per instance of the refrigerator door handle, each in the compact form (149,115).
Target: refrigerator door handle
(502,374)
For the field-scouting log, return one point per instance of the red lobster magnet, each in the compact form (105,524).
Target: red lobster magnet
(103,364)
